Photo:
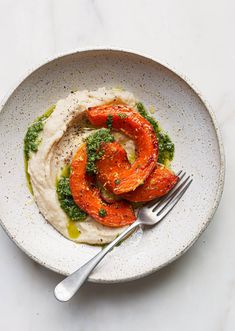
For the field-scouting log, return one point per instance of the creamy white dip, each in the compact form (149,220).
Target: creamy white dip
(62,134)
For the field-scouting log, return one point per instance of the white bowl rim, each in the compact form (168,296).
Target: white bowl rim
(221,178)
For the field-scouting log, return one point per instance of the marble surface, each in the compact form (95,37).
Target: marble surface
(197,292)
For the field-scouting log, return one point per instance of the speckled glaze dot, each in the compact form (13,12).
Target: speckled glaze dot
(180,110)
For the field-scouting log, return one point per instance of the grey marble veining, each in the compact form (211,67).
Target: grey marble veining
(197,292)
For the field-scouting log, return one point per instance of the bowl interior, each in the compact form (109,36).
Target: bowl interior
(179,110)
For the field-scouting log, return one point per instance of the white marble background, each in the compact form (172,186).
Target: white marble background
(195,293)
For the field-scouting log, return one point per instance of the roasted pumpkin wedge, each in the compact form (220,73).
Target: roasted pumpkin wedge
(115,160)
(112,165)
(128,121)
(159,183)
(88,198)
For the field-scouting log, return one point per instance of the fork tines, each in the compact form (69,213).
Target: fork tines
(165,205)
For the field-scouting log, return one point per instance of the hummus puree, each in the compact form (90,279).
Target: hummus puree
(63,132)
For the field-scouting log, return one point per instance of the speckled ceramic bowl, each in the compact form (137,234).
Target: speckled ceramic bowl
(181,112)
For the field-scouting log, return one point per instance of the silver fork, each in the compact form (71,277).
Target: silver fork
(151,214)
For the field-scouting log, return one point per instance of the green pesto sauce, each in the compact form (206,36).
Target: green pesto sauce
(32,141)
(109,122)
(166,147)
(65,198)
(94,150)
(102,212)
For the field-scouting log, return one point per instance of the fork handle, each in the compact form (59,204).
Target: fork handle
(69,286)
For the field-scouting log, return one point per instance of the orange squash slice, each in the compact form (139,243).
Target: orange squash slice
(88,198)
